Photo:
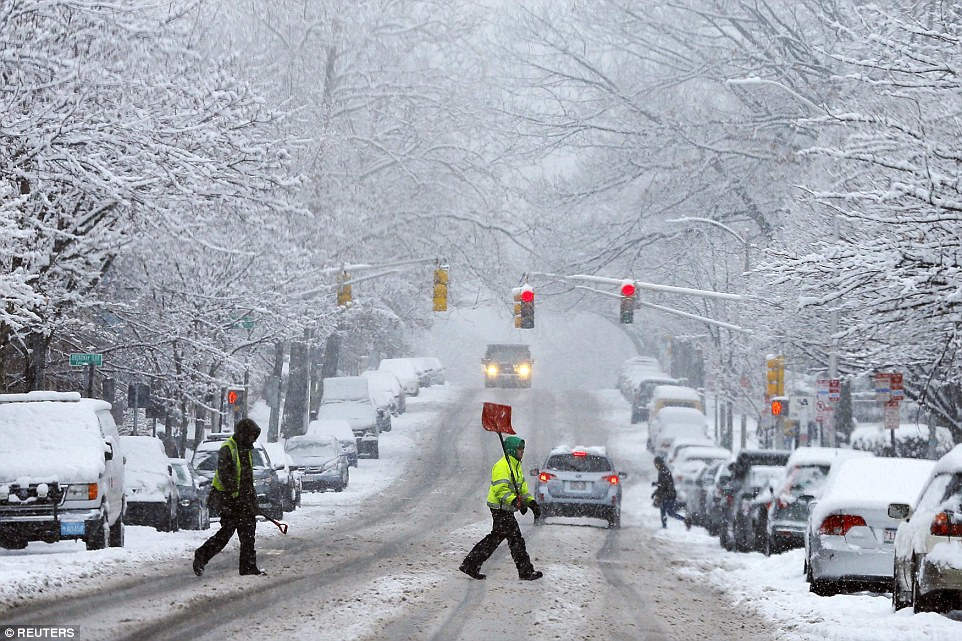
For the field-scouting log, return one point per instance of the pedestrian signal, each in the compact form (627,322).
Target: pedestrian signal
(237,402)
(779,407)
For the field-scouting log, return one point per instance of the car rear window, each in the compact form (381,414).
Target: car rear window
(807,479)
(571,463)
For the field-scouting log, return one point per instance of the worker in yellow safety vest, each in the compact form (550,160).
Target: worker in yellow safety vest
(508,492)
(233,492)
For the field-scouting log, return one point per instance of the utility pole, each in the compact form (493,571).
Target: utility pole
(829,435)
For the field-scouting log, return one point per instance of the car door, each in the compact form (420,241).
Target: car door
(115,466)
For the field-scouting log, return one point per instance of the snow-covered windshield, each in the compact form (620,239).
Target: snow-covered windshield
(807,479)
(313,449)
(571,463)
(181,474)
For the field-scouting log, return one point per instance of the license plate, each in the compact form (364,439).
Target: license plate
(889,536)
(71,528)
(580,486)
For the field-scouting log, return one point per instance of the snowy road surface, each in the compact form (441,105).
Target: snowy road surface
(386,568)
(380,560)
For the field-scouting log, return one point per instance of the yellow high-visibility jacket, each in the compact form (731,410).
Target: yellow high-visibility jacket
(502,495)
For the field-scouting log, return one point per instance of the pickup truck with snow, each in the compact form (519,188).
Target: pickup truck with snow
(61,471)
(507,365)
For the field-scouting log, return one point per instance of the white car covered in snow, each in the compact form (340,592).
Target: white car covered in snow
(151,488)
(432,368)
(405,371)
(341,430)
(346,400)
(384,382)
(849,540)
(675,422)
(928,544)
(61,471)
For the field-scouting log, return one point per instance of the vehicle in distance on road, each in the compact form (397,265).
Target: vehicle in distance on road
(507,365)
(579,481)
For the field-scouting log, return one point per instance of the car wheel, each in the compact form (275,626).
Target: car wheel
(920,602)
(822,588)
(98,538)
(12,543)
(174,521)
(117,534)
(163,522)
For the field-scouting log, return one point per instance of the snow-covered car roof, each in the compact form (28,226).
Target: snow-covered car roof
(50,436)
(353,388)
(337,428)
(821,456)
(594,450)
(871,483)
(686,415)
(383,379)
(704,451)
(144,453)
(677,392)
(691,442)
(950,463)
(355,411)
(276,452)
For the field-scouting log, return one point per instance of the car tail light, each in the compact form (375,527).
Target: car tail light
(946,524)
(613,479)
(544,477)
(579,453)
(840,524)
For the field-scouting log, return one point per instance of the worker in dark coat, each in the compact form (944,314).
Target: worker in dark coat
(665,495)
(233,487)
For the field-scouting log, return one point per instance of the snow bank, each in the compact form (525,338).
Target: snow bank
(912,440)
(50,442)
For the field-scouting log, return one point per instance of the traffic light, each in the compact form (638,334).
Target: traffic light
(775,376)
(343,290)
(516,295)
(237,402)
(527,307)
(441,289)
(627,302)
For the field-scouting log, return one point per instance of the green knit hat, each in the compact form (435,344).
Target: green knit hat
(512,444)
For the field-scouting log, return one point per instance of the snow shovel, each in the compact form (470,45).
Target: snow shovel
(281,525)
(497,418)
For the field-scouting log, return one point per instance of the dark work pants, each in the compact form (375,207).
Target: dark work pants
(505,526)
(245,523)
(668,509)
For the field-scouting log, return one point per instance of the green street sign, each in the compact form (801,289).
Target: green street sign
(246,322)
(82,360)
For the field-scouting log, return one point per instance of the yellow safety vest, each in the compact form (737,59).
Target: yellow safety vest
(502,495)
(232,445)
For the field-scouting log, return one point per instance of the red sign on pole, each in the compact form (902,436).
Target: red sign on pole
(496,418)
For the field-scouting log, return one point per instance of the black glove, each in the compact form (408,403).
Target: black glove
(522,507)
(535,509)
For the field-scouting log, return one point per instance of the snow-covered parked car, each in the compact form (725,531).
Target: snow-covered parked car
(675,422)
(61,471)
(849,539)
(805,475)
(383,382)
(664,396)
(644,386)
(688,464)
(192,512)
(151,490)
(404,369)
(351,403)
(288,475)
(633,370)
(321,460)
(341,430)
(751,472)
(434,370)
(928,543)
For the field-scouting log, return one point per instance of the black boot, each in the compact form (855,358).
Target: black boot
(471,572)
(531,576)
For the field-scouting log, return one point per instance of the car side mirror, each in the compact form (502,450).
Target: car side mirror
(108,451)
(623,475)
(534,471)
(900,511)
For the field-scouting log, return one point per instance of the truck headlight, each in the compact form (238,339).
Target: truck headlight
(492,370)
(524,370)
(82,491)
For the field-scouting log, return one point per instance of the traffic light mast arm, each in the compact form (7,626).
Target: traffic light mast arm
(365,266)
(704,319)
(671,289)
(310,293)
(599,291)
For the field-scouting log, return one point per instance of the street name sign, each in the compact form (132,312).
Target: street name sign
(82,360)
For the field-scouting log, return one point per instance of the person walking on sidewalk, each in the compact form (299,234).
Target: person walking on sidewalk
(508,492)
(665,495)
(233,488)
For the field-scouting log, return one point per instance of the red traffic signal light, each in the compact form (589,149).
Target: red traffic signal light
(777,408)
(628,289)
(527,295)
(232,397)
